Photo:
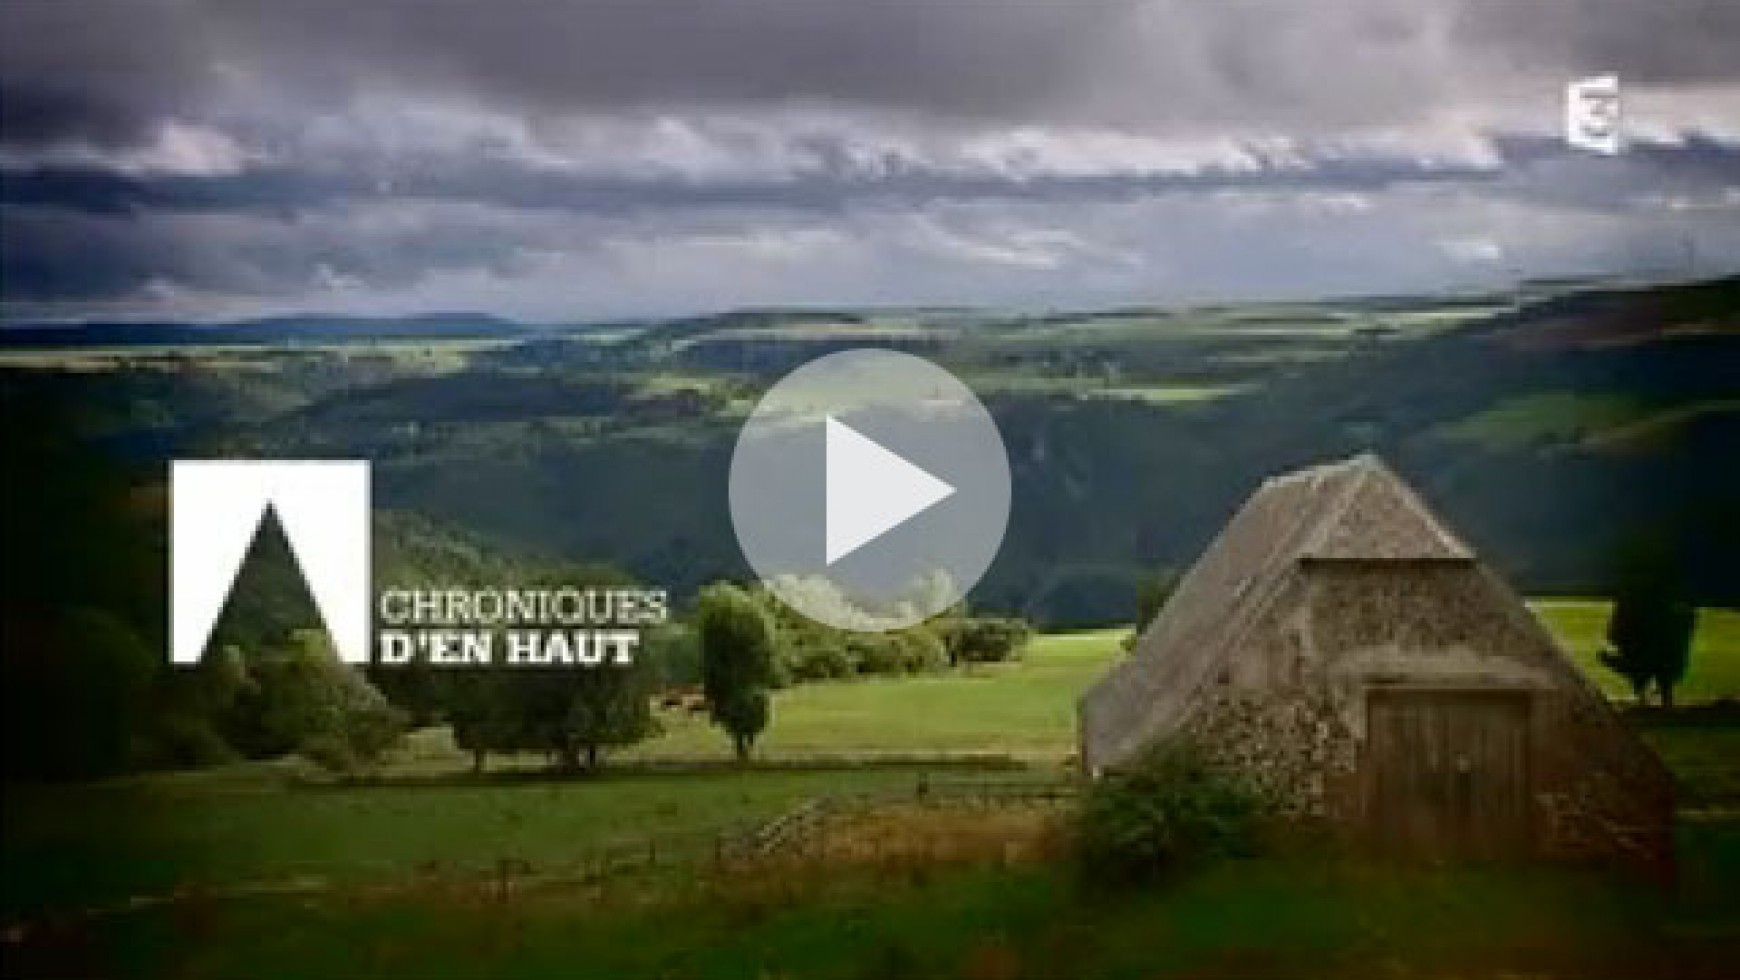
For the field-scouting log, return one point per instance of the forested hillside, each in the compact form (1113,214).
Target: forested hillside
(1551,428)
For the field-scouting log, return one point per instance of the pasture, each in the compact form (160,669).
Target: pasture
(1581,627)
(261,821)
(274,873)
(1027,710)
(253,825)
(1252,918)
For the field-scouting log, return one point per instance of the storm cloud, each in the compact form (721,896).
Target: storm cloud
(213,157)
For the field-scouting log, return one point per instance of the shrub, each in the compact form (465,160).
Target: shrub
(673,652)
(308,701)
(877,653)
(819,661)
(987,639)
(922,651)
(182,741)
(1169,810)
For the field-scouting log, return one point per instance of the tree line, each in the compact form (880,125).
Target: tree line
(88,693)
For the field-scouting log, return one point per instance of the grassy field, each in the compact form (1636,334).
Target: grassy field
(100,845)
(1581,625)
(1545,418)
(1261,918)
(241,824)
(986,384)
(1607,422)
(1028,709)
(377,871)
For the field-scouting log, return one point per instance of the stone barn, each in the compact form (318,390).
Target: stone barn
(1341,646)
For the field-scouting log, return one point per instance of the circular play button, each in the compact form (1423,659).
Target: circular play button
(869,489)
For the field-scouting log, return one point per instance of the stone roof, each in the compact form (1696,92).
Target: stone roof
(1353,510)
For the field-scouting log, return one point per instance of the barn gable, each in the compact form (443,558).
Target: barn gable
(1335,600)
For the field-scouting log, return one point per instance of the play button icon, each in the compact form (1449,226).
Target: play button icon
(869,489)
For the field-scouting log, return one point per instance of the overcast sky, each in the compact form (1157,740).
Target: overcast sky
(557,161)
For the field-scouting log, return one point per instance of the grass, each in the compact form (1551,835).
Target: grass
(101,844)
(1174,394)
(1262,918)
(1581,626)
(1560,418)
(91,844)
(1153,393)
(1026,710)
(1704,758)
(1662,428)
(423,354)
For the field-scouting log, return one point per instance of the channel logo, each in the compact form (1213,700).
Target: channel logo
(1592,116)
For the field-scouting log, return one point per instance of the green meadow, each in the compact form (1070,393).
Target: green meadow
(1027,709)
(1251,918)
(262,822)
(1581,626)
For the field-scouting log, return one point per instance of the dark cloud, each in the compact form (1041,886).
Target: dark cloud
(35,115)
(505,184)
(54,256)
(98,71)
(104,69)
(414,148)
(1658,43)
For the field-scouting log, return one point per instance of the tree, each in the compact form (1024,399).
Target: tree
(737,662)
(311,702)
(572,713)
(479,711)
(608,705)
(75,685)
(1650,631)
(673,654)
(195,709)
(1151,595)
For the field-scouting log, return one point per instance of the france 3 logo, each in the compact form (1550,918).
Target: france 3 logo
(1592,115)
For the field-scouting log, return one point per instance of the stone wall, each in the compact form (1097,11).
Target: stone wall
(1288,706)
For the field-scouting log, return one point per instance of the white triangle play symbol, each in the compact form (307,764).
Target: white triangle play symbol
(870,490)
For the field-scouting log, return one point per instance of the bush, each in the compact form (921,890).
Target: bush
(987,639)
(818,661)
(877,653)
(922,651)
(673,653)
(181,741)
(304,699)
(1168,811)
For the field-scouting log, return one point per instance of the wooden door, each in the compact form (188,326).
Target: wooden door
(1446,772)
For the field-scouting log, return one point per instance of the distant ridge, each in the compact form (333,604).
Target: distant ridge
(267,330)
